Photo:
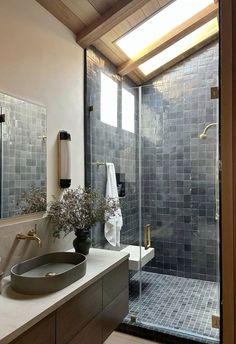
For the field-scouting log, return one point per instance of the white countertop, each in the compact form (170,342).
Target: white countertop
(19,312)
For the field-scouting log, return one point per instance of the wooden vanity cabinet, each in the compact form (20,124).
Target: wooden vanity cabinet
(89,317)
(92,315)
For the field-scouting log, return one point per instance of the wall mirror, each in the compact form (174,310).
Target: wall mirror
(23,156)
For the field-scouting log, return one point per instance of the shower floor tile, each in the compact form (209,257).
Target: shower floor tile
(175,305)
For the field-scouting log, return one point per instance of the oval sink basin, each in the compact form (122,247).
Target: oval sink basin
(48,273)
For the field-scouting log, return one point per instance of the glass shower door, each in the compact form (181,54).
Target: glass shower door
(179,286)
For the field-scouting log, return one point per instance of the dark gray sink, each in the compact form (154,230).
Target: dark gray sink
(48,273)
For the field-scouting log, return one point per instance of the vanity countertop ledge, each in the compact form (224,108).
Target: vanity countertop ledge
(19,312)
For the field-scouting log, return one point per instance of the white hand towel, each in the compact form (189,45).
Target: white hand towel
(114,224)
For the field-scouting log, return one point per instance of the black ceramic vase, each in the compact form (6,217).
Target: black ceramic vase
(82,242)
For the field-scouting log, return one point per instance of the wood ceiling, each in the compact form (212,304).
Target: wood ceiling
(101,22)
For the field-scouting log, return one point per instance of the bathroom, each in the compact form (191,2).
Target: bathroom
(174,173)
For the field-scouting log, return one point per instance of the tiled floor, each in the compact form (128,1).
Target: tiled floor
(176,305)
(121,338)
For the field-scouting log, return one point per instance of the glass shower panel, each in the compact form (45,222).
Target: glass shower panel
(116,141)
(111,143)
(180,201)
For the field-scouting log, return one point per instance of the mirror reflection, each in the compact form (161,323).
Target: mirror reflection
(22,157)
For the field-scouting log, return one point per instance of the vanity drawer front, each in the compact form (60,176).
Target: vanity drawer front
(41,333)
(114,313)
(115,282)
(91,334)
(73,316)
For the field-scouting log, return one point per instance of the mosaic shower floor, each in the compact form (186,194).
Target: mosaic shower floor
(175,305)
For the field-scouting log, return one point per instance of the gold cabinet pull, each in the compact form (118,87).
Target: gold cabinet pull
(147,236)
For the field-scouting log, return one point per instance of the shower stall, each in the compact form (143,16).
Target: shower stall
(163,139)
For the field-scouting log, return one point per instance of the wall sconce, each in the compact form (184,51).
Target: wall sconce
(64,141)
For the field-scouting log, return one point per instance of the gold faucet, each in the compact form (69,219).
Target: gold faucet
(31,235)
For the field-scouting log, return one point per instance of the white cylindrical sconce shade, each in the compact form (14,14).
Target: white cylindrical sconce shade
(64,140)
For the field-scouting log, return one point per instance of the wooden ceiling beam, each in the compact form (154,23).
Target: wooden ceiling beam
(181,57)
(172,37)
(112,17)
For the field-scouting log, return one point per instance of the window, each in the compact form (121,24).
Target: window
(108,100)
(159,25)
(127,110)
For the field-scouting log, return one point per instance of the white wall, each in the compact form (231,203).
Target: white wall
(40,61)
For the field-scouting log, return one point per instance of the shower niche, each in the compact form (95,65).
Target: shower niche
(120,180)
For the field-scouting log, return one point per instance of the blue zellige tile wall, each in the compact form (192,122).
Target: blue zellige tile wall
(179,169)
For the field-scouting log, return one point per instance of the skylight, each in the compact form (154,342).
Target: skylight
(160,24)
(180,47)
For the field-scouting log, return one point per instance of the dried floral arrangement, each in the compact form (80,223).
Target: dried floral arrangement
(32,201)
(80,209)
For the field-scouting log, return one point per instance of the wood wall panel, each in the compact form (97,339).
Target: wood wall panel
(228,175)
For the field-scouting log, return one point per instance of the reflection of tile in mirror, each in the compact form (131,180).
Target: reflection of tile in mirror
(22,156)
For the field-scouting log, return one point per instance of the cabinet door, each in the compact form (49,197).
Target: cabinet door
(114,313)
(115,282)
(73,316)
(41,333)
(91,334)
